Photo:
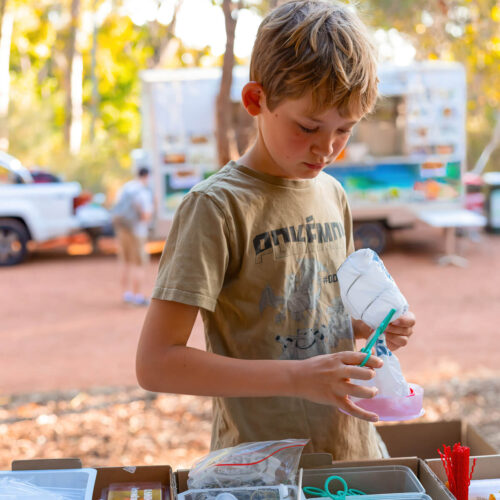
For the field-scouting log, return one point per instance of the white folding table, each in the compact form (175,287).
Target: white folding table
(451,220)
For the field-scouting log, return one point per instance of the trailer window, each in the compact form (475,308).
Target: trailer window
(382,133)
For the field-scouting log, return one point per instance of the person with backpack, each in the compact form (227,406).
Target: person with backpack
(131,215)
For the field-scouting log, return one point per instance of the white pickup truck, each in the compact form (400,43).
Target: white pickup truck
(39,212)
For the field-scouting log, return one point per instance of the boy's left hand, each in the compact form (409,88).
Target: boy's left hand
(398,332)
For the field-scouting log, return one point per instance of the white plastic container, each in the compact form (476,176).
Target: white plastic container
(387,496)
(378,481)
(60,484)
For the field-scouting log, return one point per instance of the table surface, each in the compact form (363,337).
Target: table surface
(452,218)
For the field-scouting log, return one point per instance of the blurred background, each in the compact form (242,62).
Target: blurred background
(90,90)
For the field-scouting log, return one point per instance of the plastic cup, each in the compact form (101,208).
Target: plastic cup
(396,408)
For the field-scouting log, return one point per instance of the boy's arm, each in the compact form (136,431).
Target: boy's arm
(165,364)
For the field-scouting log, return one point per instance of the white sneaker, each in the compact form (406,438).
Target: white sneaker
(140,300)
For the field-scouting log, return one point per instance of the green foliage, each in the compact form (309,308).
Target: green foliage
(37,107)
(459,30)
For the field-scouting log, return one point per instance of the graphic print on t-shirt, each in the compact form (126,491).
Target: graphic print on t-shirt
(302,305)
(294,240)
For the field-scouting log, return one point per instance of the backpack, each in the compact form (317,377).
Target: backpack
(125,213)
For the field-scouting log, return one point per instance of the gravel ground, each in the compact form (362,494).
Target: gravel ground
(65,334)
(128,426)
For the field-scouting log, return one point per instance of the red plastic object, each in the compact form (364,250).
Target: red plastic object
(456,465)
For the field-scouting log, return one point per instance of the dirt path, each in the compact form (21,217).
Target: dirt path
(62,325)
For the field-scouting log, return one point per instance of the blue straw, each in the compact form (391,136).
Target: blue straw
(380,330)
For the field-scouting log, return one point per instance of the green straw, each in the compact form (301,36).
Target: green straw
(380,330)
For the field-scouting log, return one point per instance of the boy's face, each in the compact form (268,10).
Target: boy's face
(295,143)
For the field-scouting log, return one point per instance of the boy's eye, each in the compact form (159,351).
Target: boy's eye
(345,132)
(308,130)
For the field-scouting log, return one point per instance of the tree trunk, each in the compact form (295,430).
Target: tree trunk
(73,83)
(3,5)
(490,147)
(163,51)
(6,24)
(93,75)
(226,147)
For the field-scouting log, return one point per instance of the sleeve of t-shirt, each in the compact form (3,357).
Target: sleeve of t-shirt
(195,257)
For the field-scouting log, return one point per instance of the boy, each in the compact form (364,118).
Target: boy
(256,248)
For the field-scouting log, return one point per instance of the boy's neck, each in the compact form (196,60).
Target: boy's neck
(258,158)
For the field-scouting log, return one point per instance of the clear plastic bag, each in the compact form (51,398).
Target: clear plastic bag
(389,380)
(396,399)
(262,463)
(369,293)
(367,290)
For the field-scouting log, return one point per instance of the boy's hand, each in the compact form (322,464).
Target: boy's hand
(399,331)
(326,379)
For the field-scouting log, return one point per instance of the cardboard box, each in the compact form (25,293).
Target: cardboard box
(108,475)
(433,486)
(425,438)
(487,467)
(143,473)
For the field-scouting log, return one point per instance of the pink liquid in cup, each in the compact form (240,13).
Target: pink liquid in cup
(396,408)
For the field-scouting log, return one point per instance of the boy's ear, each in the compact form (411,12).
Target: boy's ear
(251,96)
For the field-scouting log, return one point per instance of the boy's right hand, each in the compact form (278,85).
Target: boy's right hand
(325,379)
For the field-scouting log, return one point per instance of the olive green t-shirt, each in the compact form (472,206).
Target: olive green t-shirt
(259,255)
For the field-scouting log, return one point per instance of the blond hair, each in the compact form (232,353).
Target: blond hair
(319,47)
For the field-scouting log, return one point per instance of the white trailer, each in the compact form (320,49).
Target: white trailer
(405,161)
(178,111)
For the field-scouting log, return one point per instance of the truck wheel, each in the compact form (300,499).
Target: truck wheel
(370,235)
(13,242)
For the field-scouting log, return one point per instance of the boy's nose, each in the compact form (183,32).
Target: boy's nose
(324,149)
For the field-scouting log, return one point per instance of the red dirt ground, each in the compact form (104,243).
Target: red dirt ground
(63,326)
